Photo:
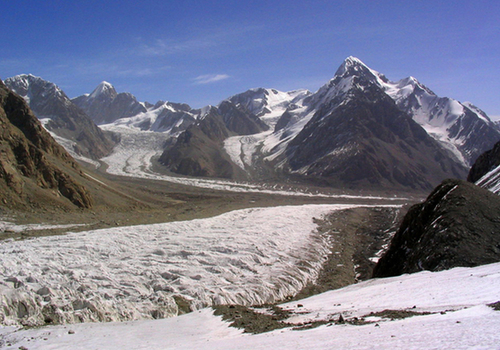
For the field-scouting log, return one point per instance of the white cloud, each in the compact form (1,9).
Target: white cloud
(210,78)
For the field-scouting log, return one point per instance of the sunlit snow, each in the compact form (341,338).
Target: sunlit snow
(456,299)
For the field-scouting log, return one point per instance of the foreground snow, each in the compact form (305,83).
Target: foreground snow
(457,300)
(249,256)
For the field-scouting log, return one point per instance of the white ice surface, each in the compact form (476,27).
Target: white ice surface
(472,324)
(249,256)
(6,226)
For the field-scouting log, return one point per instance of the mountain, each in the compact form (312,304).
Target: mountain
(457,225)
(198,151)
(462,128)
(486,170)
(62,117)
(350,133)
(34,169)
(104,105)
(357,136)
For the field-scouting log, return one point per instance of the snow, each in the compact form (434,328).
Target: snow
(7,226)
(436,115)
(249,256)
(242,149)
(151,118)
(270,106)
(478,111)
(276,143)
(102,88)
(456,298)
(69,145)
(491,180)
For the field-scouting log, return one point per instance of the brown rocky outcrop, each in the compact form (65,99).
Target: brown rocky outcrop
(31,160)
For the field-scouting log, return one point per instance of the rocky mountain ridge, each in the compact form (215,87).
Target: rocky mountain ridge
(104,105)
(486,170)
(32,164)
(357,134)
(358,130)
(62,117)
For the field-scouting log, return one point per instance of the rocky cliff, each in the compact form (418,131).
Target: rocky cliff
(33,167)
(458,225)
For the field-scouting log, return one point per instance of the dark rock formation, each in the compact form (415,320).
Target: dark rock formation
(458,225)
(486,162)
(362,139)
(198,150)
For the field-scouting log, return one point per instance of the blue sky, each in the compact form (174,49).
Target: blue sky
(201,52)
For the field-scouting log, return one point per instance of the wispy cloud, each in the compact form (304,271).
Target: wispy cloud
(223,38)
(210,78)
(163,47)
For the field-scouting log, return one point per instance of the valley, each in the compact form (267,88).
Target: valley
(267,198)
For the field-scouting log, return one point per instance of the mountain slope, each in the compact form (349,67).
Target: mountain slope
(353,132)
(456,226)
(104,105)
(61,116)
(486,170)
(358,136)
(34,169)
(198,151)
(462,128)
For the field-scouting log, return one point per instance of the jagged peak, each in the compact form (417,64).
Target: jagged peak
(23,83)
(26,80)
(351,64)
(204,111)
(104,88)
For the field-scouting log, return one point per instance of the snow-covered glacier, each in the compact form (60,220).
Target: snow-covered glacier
(249,256)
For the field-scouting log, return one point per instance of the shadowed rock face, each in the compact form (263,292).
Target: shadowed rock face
(29,157)
(458,225)
(368,141)
(485,163)
(198,150)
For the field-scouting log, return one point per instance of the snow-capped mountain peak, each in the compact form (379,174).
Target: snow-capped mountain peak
(268,104)
(450,122)
(351,63)
(103,89)
(26,85)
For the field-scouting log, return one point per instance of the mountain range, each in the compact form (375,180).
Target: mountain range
(66,122)
(359,130)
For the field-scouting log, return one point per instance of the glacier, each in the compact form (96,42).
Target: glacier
(249,256)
